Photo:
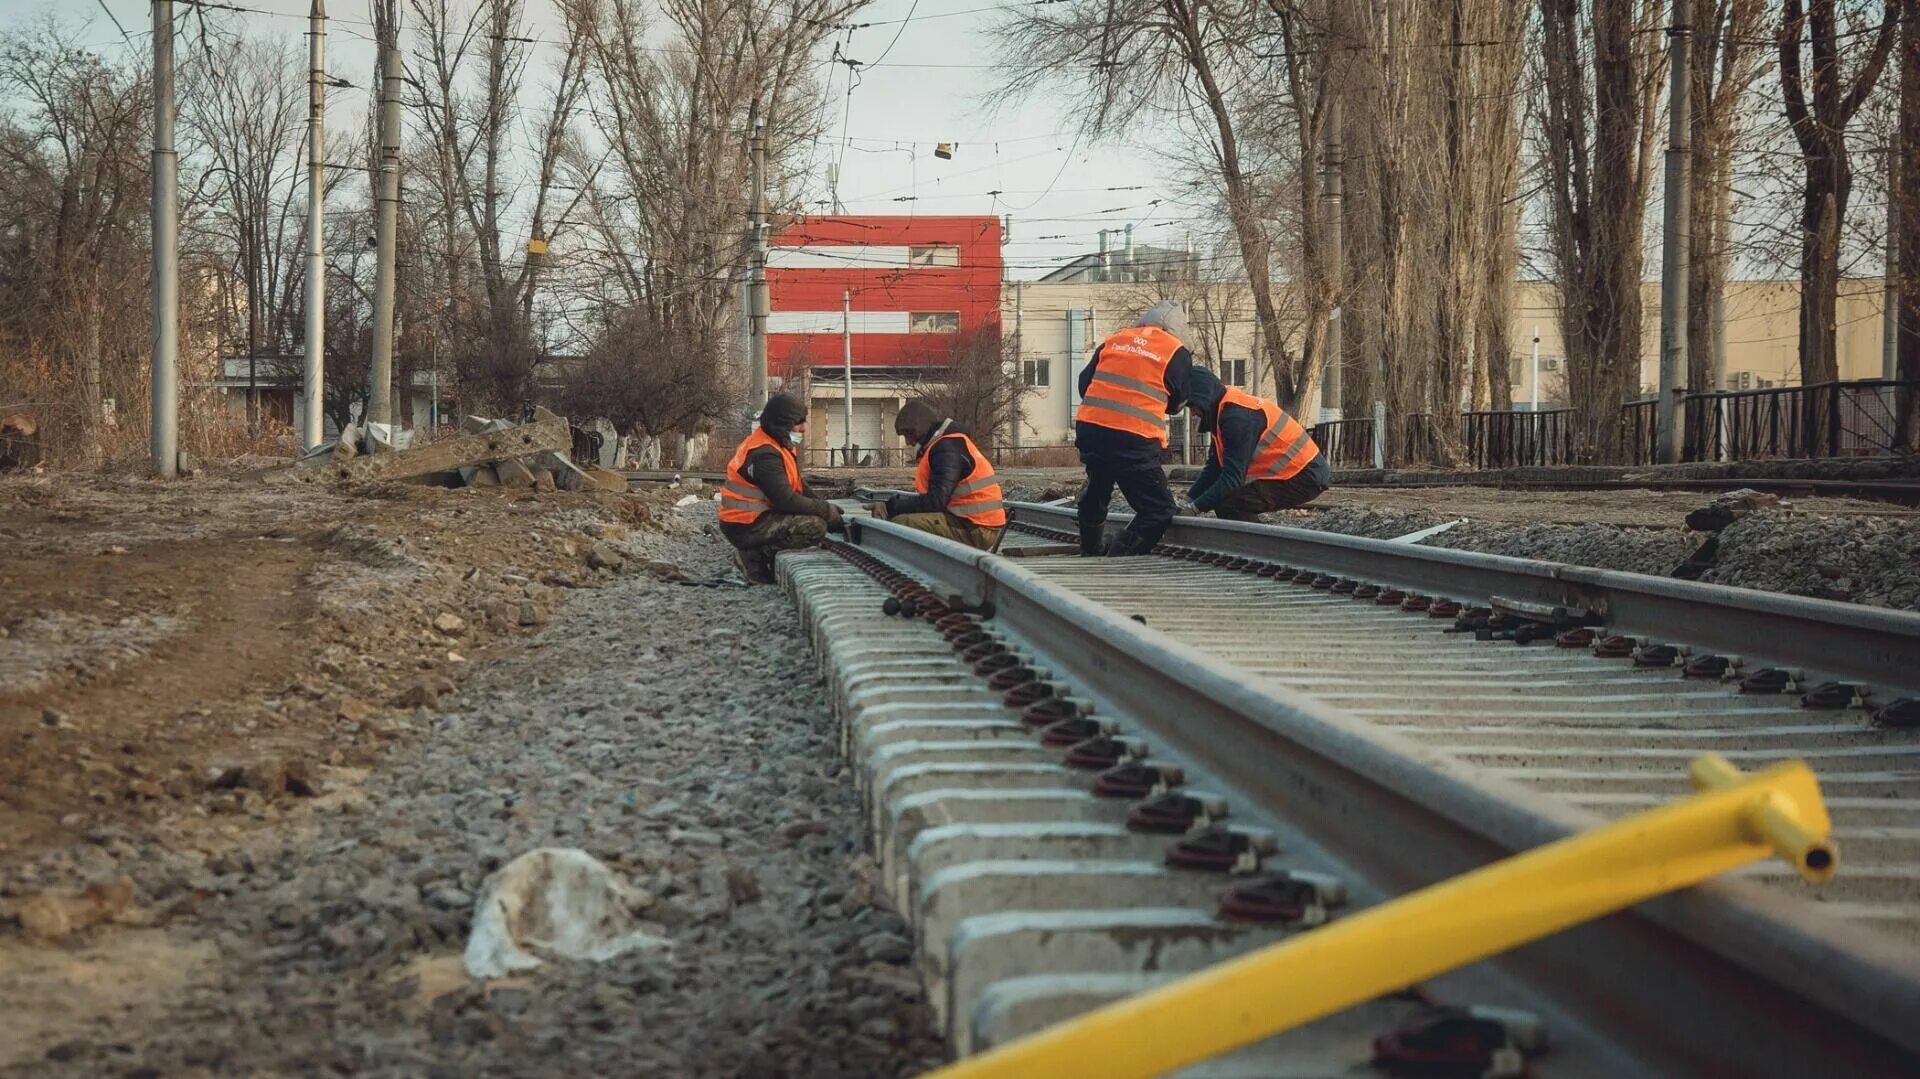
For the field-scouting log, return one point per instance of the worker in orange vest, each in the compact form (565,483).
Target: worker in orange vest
(1136,380)
(765,507)
(958,496)
(1262,460)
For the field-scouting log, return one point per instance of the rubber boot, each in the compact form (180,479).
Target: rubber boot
(1128,542)
(1093,541)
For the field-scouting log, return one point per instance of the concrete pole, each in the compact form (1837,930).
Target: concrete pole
(165,431)
(386,223)
(846,372)
(1332,194)
(313,419)
(1535,379)
(757,306)
(1670,419)
(1890,273)
(1019,363)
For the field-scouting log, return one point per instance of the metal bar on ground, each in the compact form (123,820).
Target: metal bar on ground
(1735,820)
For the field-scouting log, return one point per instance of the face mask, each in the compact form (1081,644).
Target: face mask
(794,437)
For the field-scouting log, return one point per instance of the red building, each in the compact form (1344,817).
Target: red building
(912,282)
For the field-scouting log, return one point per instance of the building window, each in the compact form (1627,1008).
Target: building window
(933,322)
(933,255)
(1233,372)
(1038,372)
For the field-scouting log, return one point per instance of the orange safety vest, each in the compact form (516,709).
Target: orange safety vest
(1129,388)
(977,496)
(1283,450)
(741,500)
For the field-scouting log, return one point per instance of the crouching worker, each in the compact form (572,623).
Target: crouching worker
(957,496)
(765,507)
(1263,459)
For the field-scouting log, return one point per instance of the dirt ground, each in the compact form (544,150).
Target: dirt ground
(260,749)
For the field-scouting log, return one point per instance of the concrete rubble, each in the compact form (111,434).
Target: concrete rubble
(487,453)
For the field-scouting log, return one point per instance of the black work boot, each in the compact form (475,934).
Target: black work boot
(1093,541)
(1128,542)
(756,565)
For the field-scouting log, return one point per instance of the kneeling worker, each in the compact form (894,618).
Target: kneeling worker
(1263,459)
(958,496)
(765,506)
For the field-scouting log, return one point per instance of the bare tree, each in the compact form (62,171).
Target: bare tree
(73,199)
(977,387)
(1596,151)
(649,378)
(246,112)
(1820,103)
(473,73)
(667,206)
(1727,61)
(1208,66)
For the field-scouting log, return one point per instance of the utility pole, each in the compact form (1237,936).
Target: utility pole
(380,400)
(1535,380)
(846,372)
(313,418)
(757,305)
(1890,273)
(1332,194)
(164,438)
(1019,363)
(1670,417)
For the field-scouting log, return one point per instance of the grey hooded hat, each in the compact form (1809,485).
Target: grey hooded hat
(1169,316)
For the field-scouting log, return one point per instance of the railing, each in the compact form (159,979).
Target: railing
(1828,419)
(1347,443)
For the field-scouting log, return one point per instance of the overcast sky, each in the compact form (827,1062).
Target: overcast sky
(926,82)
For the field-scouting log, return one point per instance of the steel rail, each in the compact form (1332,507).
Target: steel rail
(1727,978)
(1841,641)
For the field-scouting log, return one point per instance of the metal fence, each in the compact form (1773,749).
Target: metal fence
(1347,443)
(1828,419)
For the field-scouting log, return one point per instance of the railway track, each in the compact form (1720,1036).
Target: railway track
(1366,721)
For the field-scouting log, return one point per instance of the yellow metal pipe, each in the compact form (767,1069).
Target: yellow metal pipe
(1772,819)
(1735,819)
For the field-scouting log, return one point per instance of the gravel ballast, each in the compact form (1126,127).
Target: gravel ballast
(679,734)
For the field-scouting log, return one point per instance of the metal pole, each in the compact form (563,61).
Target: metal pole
(757,306)
(165,432)
(380,399)
(1536,367)
(313,418)
(1019,362)
(1890,274)
(1332,193)
(1670,419)
(846,371)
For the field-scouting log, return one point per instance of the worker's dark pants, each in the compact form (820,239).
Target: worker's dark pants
(771,534)
(1265,496)
(1144,484)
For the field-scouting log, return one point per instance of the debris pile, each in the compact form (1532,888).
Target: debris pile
(487,453)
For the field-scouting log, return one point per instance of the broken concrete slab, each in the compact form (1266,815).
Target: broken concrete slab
(514,474)
(479,476)
(1730,507)
(546,432)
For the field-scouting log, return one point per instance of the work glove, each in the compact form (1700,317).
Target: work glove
(887,508)
(836,521)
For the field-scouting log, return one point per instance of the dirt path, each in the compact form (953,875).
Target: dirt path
(676,732)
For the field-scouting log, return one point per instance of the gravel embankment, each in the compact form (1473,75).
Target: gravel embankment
(677,733)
